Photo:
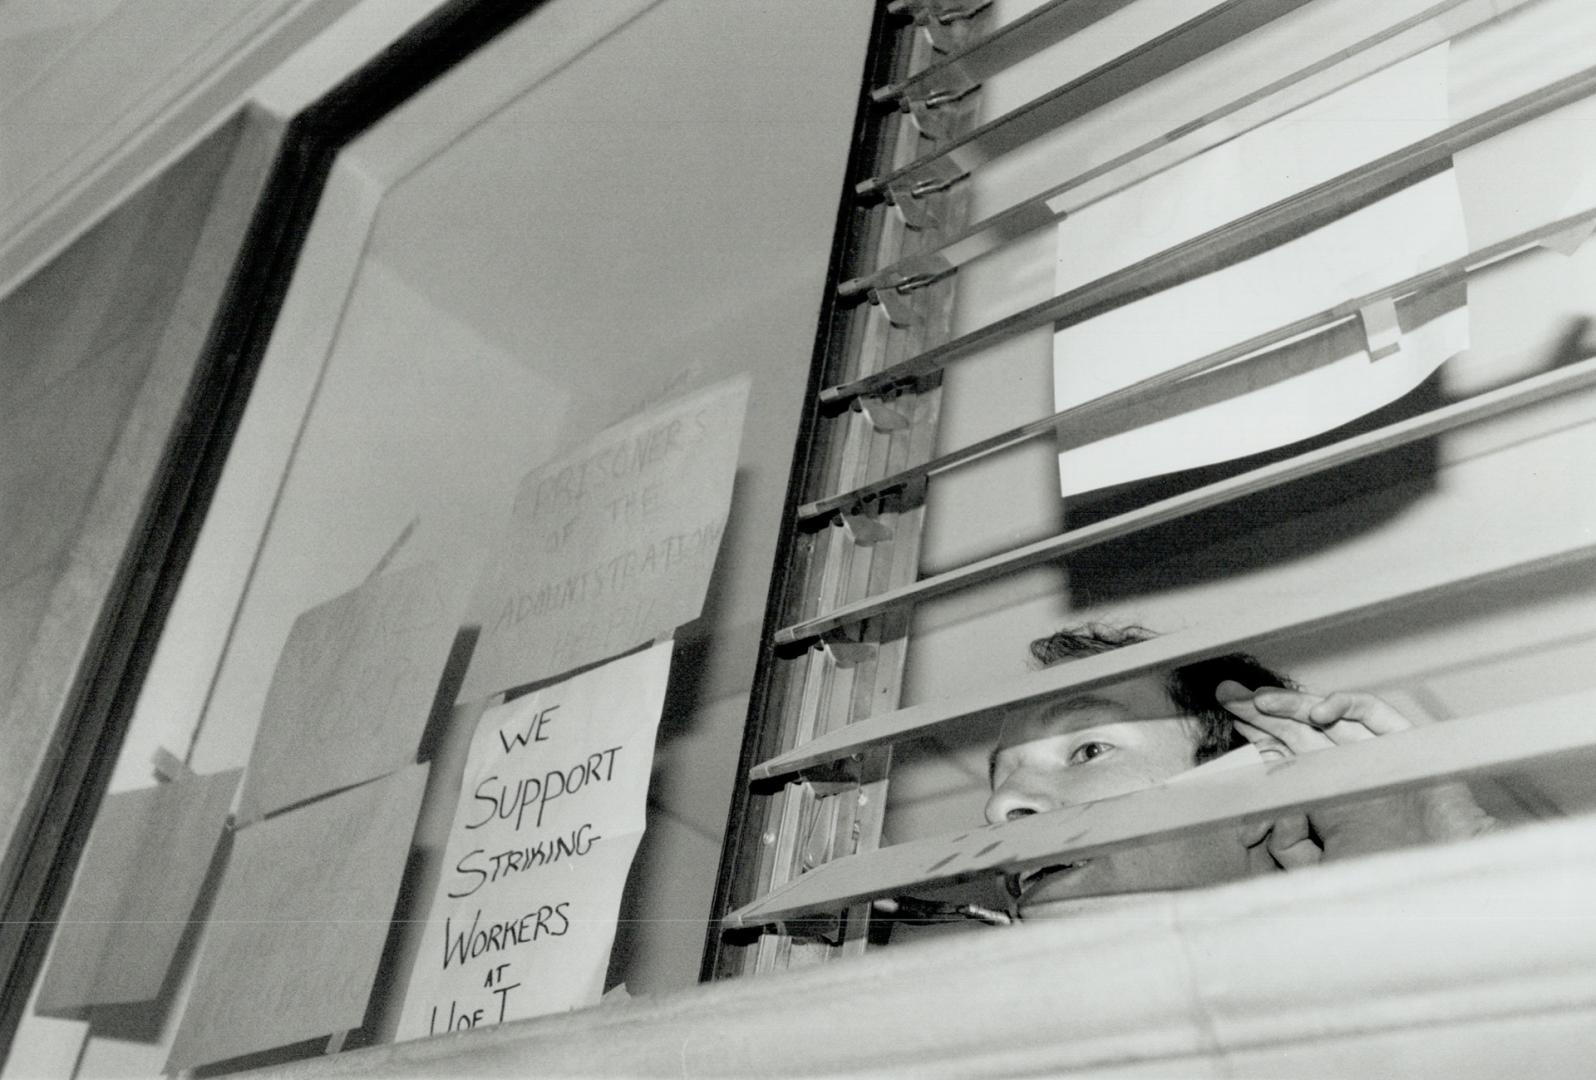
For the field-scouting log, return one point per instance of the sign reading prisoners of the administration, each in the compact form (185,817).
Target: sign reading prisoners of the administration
(610,546)
(551,809)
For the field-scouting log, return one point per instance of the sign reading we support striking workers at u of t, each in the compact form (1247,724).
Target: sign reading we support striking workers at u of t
(551,809)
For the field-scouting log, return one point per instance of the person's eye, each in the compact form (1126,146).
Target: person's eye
(1089,752)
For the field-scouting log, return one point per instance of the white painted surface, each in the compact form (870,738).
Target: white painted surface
(38,34)
(98,96)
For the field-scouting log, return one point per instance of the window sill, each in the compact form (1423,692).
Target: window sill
(1478,957)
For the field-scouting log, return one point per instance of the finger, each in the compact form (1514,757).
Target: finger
(1269,747)
(1237,700)
(1376,715)
(1290,843)
(1324,714)
(1298,737)
(1286,704)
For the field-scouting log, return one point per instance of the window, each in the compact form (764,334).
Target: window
(1238,321)
(1192,221)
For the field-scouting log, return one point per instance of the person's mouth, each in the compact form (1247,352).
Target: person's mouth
(1020,884)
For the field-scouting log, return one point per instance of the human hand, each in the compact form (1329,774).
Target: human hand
(1284,723)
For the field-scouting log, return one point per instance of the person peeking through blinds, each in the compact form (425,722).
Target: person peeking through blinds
(1146,731)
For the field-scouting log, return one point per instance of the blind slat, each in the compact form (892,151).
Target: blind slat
(1239,631)
(1141,65)
(1005,46)
(1557,728)
(1245,113)
(1516,395)
(1150,388)
(1235,240)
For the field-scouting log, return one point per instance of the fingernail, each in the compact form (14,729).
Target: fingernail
(1230,690)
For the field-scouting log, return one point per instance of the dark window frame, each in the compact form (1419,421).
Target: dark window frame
(99,707)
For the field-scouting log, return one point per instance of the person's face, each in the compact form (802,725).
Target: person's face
(1096,746)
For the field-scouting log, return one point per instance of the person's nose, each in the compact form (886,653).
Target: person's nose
(1017,798)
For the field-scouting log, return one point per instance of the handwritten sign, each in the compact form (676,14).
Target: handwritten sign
(293,943)
(352,690)
(134,892)
(551,810)
(613,545)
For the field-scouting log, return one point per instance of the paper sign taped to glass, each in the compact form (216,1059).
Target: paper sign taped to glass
(552,807)
(134,892)
(351,691)
(1301,388)
(293,943)
(612,545)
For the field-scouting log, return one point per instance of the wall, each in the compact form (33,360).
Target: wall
(98,96)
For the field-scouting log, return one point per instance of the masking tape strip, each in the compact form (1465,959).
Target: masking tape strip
(1381,329)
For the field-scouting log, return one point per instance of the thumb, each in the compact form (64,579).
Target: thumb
(1290,843)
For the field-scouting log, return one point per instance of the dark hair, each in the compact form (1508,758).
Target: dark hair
(1191,686)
